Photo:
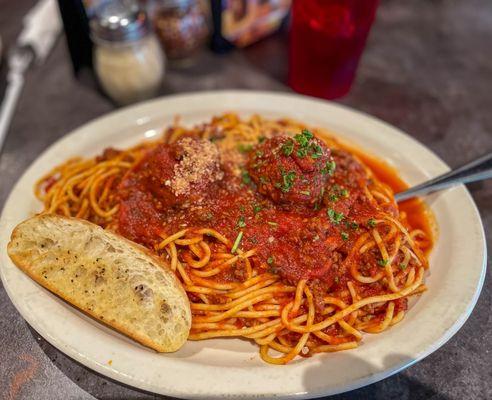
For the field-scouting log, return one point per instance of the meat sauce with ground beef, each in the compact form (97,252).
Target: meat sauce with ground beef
(300,205)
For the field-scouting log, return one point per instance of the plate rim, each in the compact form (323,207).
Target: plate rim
(149,105)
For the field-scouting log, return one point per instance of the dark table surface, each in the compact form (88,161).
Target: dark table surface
(427,70)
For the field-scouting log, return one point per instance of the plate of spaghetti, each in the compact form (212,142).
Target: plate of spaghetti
(276,213)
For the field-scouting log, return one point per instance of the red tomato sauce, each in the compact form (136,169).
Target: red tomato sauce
(295,240)
(418,213)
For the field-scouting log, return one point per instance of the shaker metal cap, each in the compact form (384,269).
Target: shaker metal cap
(174,3)
(119,21)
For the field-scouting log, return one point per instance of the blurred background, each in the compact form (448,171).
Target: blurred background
(422,65)
(129,49)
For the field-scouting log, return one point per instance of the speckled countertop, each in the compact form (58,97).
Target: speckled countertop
(427,70)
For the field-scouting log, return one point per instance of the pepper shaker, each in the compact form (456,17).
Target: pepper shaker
(182,26)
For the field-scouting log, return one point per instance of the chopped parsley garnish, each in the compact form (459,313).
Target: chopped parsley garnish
(333,197)
(344,235)
(261,139)
(403,266)
(305,192)
(288,179)
(307,134)
(371,222)
(352,225)
(303,138)
(257,208)
(329,168)
(245,177)
(272,223)
(237,242)
(241,223)
(382,263)
(270,260)
(259,153)
(288,147)
(302,152)
(335,217)
(337,192)
(244,148)
(317,151)
(306,147)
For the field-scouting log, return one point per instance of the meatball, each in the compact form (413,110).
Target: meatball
(157,169)
(180,172)
(291,170)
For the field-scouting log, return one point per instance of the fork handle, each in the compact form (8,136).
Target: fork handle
(477,170)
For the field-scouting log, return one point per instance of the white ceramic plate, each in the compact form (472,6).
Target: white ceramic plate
(232,367)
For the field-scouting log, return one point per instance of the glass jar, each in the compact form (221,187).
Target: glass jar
(181,25)
(128,59)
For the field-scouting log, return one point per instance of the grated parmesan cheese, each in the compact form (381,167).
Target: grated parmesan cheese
(200,164)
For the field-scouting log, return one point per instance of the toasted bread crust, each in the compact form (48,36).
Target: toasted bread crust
(108,277)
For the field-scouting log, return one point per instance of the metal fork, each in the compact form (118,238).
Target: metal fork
(477,170)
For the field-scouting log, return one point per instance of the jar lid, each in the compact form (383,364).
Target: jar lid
(174,3)
(119,21)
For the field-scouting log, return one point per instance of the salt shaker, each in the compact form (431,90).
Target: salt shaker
(128,59)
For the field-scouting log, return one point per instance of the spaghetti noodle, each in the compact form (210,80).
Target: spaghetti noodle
(279,234)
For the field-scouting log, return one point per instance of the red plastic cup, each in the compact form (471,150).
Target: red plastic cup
(327,38)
